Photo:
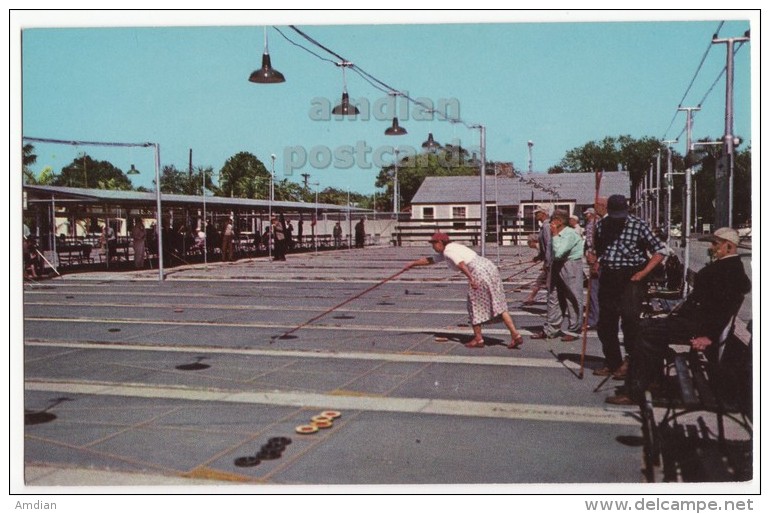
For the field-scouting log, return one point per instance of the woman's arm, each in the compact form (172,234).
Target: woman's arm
(467,273)
(422,261)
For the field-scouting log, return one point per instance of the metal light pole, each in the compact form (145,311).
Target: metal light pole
(315,236)
(205,232)
(658,193)
(688,196)
(530,144)
(270,207)
(729,138)
(396,194)
(350,224)
(670,184)
(483,187)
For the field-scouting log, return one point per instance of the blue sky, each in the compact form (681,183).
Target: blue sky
(559,80)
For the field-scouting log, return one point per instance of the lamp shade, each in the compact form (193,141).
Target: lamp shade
(395,129)
(344,108)
(266,74)
(132,171)
(430,144)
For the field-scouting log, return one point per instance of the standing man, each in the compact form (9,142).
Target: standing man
(227,240)
(337,233)
(360,232)
(565,287)
(625,251)
(700,320)
(574,223)
(567,272)
(300,224)
(545,254)
(138,234)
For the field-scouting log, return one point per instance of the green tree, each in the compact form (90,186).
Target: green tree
(284,190)
(634,155)
(706,159)
(742,187)
(28,158)
(89,173)
(240,176)
(174,181)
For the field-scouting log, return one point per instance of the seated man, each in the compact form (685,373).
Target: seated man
(716,296)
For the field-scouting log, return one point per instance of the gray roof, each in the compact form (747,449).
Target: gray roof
(139,197)
(577,187)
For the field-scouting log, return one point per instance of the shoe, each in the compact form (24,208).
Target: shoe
(622,372)
(602,372)
(620,399)
(475,344)
(528,302)
(539,335)
(516,342)
(567,338)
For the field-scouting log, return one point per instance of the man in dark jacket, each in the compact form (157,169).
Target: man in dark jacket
(701,319)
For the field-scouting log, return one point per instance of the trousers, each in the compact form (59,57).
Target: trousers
(620,303)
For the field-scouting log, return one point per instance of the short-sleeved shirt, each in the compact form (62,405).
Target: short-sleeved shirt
(567,245)
(632,247)
(454,254)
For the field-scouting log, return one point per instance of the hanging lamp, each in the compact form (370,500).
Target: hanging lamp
(345,108)
(266,74)
(431,145)
(395,129)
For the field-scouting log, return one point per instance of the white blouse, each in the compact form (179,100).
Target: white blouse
(454,254)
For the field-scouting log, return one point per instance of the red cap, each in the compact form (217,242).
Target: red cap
(439,236)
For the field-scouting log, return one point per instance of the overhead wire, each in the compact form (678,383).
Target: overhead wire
(388,89)
(692,81)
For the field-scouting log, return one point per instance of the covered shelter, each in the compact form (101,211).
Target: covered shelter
(75,217)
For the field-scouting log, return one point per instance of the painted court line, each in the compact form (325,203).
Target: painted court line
(316,354)
(497,410)
(276,326)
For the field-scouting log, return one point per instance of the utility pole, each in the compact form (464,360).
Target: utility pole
(686,222)
(669,184)
(305,177)
(658,193)
(726,169)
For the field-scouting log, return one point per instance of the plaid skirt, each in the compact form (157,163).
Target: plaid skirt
(488,301)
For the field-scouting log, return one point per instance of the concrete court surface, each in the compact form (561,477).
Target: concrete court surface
(131,381)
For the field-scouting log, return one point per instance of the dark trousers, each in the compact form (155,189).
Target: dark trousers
(620,301)
(649,349)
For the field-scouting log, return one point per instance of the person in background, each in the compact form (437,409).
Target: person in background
(139,236)
(486,296)
(228,232)
(540,281)
(565,282)
(574,223)
(279,240)
(337,234)
(593,215)
(300,228)
(360,232)
(31,258)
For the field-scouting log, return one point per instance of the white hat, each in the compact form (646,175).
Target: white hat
(726,234)
(542,208)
